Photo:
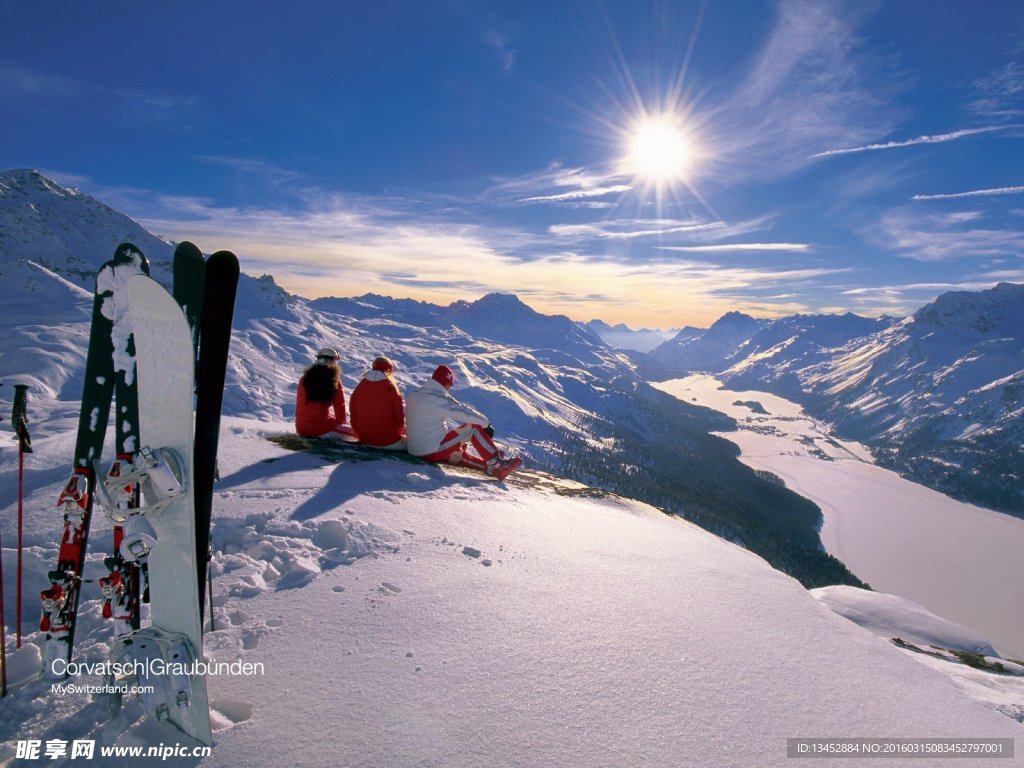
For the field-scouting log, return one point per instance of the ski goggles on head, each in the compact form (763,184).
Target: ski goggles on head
(327,356)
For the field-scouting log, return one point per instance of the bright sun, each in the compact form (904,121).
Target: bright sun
(660,151)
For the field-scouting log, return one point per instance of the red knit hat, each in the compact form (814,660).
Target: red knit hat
(383,365)
(444,376)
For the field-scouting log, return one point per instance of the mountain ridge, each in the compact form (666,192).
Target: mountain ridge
(937,396)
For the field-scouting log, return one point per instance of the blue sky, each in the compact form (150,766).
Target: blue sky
(808,156)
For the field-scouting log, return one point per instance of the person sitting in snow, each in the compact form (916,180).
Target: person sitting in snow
(320,400)
(441,429)
(376,408)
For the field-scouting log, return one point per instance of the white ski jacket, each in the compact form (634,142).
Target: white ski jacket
(430,412)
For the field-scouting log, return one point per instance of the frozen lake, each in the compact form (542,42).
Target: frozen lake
(962,562)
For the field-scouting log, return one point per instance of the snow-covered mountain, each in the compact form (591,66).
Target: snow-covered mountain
(622,336)
(781,348)
(551,387)
(696,350)
(62,229)
(938,396)
(745,346)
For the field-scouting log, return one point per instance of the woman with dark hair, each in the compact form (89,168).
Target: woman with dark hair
(320,400)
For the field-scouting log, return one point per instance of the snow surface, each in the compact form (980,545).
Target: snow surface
(962,562)
(406,615)
(935,642)
(896,617)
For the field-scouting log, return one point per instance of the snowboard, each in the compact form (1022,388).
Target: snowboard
(221,284)
(109,351)
(166,522)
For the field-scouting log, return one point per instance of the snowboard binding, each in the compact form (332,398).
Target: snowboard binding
(162,662)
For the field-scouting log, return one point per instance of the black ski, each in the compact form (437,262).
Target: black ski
(190,284)
(211,369)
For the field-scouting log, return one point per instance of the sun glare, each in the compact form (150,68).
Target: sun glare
(660,151)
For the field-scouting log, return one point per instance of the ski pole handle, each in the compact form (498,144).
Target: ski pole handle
(19,417)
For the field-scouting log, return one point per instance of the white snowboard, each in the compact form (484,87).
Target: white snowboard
(165,364)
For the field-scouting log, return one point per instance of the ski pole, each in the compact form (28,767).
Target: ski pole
(3,629)
(209,578)
(19,420)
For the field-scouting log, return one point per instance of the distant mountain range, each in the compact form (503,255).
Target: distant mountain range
(622,336)
(938,396)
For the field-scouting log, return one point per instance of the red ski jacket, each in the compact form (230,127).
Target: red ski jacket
(378,414)
(314,419)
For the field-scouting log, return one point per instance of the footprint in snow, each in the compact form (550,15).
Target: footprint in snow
(225,713)
(390,589)
(251,638)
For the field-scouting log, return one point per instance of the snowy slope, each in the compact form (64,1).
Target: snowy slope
(960,561)
(892,616)
(939,644)
(408,615)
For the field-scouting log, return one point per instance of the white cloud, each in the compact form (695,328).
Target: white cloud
(973,193)
(558,185)
(632,228)
(624,229)
(727,247)
(501,46)
(349,247)
(1001,94)
(810,83)
(938,237)
(936,139)
(64,97)
(579,194)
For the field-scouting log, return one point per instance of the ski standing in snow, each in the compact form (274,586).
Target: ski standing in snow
(110,351)
(214,338)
